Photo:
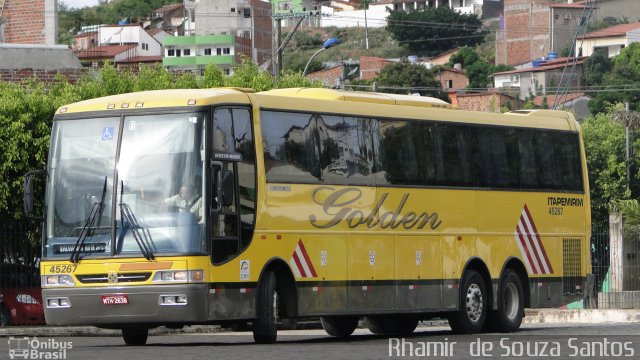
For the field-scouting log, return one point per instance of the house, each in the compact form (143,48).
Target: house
(530,29)
(578,102)
(120,44)
(452,78)
(488,101)
(85,40)
(171,18)
(610,40)
(28,22)
(338,15)
(224,32)
(543,77)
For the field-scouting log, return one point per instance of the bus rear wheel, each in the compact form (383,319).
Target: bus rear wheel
(265,325)
(473,306)
(391,326)
(339,326)
(135,336)
(510,311)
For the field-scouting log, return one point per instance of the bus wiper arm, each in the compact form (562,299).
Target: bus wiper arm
(88,224)
(140,234)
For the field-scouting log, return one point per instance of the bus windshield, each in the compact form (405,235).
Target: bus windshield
(152,164)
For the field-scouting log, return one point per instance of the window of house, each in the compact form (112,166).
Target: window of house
(218,51)
(449,84)
(226,51)
(246,13)
(178,52)
(207,51)
(171,52)
(233,10)
(187,52)
(226,71)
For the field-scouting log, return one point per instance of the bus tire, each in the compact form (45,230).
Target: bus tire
(510,311)
(473,305)
(339,326)
(265,325)
(391,326)
(135,336)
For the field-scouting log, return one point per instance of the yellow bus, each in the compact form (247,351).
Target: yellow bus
(227,206)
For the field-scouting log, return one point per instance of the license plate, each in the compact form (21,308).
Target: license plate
(115,300)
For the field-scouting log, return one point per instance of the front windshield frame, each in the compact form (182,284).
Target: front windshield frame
(112,205)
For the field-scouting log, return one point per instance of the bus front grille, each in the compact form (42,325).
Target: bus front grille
(122,278)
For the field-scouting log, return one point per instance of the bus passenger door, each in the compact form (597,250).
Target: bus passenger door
(232,198)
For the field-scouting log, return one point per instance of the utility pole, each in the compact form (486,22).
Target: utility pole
(628,141)
(366,27)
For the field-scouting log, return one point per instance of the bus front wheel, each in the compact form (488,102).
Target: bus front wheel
(265,325)
(473,305)
(339,326)
(135,336)
(510,311)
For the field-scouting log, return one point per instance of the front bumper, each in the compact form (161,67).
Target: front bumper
(143,306)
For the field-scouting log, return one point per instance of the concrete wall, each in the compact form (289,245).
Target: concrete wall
(618,9)
(50,58)
(31,22)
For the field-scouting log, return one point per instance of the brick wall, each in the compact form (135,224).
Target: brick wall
(487,102)
(46,76)
(452,79)
(26,22)
(371,66)
(330,77)
(526,34)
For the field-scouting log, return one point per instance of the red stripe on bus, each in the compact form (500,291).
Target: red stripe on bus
(299,265)
(526,251)
(535,230)
(306,258)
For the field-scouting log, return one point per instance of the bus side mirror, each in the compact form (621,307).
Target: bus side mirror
(27,196)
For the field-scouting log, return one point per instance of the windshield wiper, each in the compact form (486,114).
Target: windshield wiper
(95,212)
(140,234)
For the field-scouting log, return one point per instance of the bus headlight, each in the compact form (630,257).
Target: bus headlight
(57,280)
(179,276)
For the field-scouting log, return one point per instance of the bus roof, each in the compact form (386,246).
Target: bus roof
(160,99)
(323,100)
(359,96)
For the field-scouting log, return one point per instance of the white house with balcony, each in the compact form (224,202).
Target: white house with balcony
(610,40)
(339,15)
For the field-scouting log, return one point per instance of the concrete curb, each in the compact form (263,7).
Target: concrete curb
(532,316)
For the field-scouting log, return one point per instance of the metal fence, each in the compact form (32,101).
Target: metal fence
(616,266)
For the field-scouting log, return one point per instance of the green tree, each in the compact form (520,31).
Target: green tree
(431,31)
(405,78)
(604,139)
(625,74)
(476,68)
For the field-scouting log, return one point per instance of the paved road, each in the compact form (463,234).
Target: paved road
(555,341)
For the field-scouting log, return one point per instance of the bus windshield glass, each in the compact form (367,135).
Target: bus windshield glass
(152,164)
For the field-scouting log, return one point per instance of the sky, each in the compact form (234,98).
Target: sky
(79,3)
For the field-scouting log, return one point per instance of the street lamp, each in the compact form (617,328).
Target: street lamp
(331,42)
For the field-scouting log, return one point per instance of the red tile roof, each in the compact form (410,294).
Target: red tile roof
(551,65)
(105,51)
(140,59)
(168,8)
(616,30)
(551,99)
